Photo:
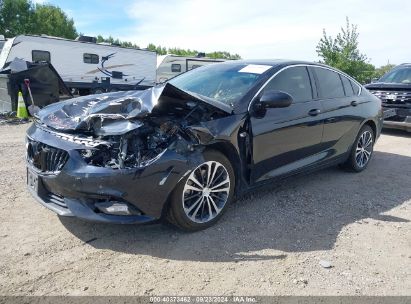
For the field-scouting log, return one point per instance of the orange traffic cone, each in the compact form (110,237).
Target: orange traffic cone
(21,107)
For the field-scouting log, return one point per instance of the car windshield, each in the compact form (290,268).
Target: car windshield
(401,75)
(226,83)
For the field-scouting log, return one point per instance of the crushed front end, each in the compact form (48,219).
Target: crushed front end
(106,182)
(115,157)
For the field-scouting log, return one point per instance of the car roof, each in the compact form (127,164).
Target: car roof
(280,63)
(272,62)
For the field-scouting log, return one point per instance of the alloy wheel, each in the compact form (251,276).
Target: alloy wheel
(364,149)
(206,192)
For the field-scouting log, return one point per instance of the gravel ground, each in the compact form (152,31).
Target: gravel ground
(270,242)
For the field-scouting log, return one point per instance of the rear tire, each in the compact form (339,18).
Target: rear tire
(361,151)
(201,198)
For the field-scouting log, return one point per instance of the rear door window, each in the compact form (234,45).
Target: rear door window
(355,87)
(330,83)
(347,86)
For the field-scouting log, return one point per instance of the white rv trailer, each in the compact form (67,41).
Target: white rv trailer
(86,66)
(170,65)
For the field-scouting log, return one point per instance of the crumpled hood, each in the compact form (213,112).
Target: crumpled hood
(82,112)
(112,113)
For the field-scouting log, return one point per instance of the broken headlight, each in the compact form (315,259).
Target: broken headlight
(134,149)
(126,154)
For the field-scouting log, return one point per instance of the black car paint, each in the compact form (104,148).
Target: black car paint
(274,143)
(288,140)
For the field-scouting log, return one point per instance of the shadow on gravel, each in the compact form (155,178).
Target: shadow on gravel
(300,214)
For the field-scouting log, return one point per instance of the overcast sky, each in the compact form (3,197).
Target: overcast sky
(253,29)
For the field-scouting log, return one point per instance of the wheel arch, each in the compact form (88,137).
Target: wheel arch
(373,126)
(231,154)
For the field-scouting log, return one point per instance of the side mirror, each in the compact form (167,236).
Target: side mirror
(374,80)
(275,99)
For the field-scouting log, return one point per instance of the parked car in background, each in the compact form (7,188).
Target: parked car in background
(183,150)
(169,66)
(394,89)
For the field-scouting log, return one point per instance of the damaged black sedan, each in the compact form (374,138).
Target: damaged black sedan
(182,151)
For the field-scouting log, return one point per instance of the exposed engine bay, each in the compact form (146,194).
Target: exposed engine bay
(139,147)
(130,130)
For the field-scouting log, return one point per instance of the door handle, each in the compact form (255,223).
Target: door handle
(354,103)
(314,112)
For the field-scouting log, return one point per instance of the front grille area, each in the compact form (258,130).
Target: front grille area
(393,97)
(46,158)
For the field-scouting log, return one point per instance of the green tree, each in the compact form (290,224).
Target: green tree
(342,53)
(188,52)
(19,17)
(182,52)
(111,40)
(16,17)
(379,72)
(223,55)
(51,20)
(151,47)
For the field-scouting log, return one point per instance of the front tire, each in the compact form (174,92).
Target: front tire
(361,151)
(202,197)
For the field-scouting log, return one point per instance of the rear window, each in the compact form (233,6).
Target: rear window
(40,56)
